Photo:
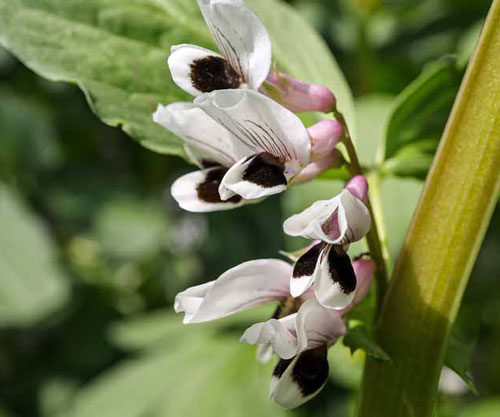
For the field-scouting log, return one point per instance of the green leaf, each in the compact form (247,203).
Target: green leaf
(485,408)
(32,284)
(184,376)
(130,229)
(116,52)
(418,119)
(358,338)
(457,357)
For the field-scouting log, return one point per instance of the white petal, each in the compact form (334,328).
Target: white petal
(189,301)
(234,181)
(308,223)
(301,379)
(335,291)
(240,288)
(185,190)
(304,270)
(260,124)
(241,37)
(180,60)
(278,333)
(342,220)
(207,140)
(317,326)
(264,353)
(354,219)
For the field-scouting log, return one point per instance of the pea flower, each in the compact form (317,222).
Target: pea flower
(302,340)
(245,61)
(326,265)
(247,147)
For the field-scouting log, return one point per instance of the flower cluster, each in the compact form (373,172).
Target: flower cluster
(242,132)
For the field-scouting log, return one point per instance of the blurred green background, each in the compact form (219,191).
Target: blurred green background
(93,249)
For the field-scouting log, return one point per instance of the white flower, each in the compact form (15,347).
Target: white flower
(243,42)
(244,62)
(337,222)
(247,146)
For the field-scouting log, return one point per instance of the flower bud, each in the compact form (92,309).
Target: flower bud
(358,186)
(298,96)
(333,160)
(324,136)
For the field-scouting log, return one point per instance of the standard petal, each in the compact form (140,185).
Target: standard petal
(303,270)
(342,220)
(335,280)
(198,192)
(254,177)
(196,69)
(241,37)
(280,334)
(189,301)
(317,326)
(296,381)
(308,223)
(260,124)
(207,140)
(240,288)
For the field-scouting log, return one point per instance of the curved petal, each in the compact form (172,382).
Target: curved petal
(303,271)
(342,220)
(189,301)
(255,177)
(189,65)
(241,37)
(280,334)
(335,281)
(317,326)
(264,353)
(260,124)
(240,288)
(311,171)
(297,381)
(206,139)
(198,192)
(308,223)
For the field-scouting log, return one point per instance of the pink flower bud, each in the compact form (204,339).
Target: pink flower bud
(332,160)
(358,186)
(296,95)
(324,136)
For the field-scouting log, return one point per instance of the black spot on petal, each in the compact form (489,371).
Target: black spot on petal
(341,270)
(208,190)
(265,170)
(306,264)
(213,73)
(281,367)
(310,372)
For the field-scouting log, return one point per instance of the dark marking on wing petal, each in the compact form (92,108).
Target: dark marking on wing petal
(310,372)
(208,190)
(340,269)
(306,264)
(281,367)
(265,170)
(213,73)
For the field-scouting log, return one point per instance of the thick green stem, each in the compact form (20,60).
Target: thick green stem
(442,244)
(373,236)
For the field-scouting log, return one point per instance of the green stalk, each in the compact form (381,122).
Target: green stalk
(373,236)
(442,244)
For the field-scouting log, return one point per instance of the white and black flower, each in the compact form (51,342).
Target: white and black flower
(247,146)
(334,223)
